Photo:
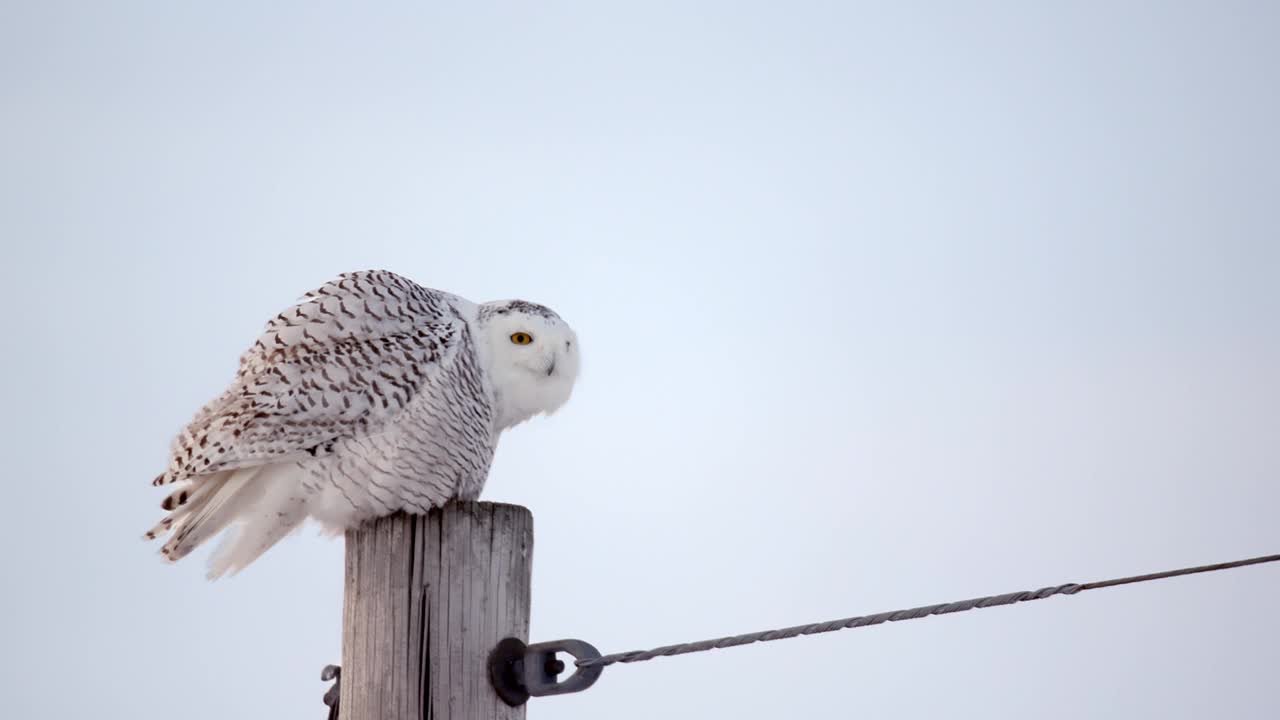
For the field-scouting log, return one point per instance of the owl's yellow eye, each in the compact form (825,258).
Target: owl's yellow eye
(521,338)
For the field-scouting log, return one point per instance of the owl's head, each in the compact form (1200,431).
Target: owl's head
(533,358)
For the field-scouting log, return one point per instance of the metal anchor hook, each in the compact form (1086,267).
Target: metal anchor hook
(334,673)
(518,671)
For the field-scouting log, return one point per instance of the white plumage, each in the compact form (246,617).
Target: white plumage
(372,396)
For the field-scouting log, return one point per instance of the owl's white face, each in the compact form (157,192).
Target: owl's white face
(533,359)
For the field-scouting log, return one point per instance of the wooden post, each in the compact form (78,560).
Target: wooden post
(427,598)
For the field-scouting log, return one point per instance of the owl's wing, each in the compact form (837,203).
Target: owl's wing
(344,362)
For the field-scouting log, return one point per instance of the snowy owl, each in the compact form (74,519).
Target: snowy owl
(371,396)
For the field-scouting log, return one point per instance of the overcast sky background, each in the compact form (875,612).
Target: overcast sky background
(880,306)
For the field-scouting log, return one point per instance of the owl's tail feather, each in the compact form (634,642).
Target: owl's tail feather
(277,512)
(228,495)
(185,501)
(265,503)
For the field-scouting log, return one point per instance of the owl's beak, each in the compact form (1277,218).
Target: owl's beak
(552,367)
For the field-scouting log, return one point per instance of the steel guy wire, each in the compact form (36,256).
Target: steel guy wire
(907,614)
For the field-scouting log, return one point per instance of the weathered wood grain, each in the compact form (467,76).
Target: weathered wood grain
(427,598)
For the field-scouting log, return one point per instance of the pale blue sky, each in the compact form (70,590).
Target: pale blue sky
(880,306)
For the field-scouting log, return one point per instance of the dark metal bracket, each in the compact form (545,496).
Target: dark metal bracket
(334,673)
(519,671)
